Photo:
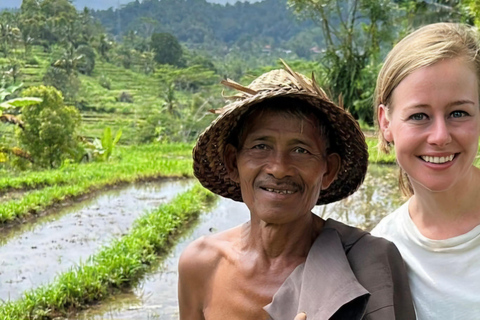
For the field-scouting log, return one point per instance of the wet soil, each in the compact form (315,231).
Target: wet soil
(32,253)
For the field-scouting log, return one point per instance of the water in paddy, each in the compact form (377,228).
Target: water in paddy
(156,296)
(33,253)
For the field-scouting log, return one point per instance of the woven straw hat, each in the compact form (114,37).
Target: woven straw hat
(346,137)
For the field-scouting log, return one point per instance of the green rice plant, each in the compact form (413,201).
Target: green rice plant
(70,181)
(117,266)
(146,158)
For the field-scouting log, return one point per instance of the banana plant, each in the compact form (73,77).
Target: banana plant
(104,147)
(9,105)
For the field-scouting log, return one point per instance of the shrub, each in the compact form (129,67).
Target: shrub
(32,60)
(87,63)
(49,134)
(125,97)
(105,82)
(68,84)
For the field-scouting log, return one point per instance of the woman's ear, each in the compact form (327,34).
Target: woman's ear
(333,166)
(384,123)
(230,160)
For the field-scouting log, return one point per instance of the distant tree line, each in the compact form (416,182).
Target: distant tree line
(199,21)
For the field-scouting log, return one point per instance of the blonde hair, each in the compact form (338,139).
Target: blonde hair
(423,47)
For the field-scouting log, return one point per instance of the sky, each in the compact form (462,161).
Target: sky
(96,4)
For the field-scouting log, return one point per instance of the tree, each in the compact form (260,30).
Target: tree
(30,22)
(9,33)
(353,32)
(472,9)
(167,49)
(50,127)
(420,12)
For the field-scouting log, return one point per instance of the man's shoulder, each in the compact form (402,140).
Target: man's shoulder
(205,252)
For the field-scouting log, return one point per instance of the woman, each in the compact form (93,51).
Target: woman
(427,107)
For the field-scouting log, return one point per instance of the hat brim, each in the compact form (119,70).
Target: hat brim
(348,139)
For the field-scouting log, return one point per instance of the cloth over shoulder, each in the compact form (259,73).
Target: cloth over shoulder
(348,274)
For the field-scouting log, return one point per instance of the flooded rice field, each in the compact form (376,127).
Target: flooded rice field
(156,296)
(32,254)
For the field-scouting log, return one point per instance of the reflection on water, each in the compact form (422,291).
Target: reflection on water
(156,296)
(377,196)
(32,254)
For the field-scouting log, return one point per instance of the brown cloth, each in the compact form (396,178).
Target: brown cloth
(349,274)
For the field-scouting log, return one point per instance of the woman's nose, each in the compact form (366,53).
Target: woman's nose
(439,133)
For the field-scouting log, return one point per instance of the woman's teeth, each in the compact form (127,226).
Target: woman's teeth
(438,159)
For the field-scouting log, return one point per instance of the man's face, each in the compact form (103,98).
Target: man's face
(281,166)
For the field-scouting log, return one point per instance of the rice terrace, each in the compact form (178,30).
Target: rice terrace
(100,107)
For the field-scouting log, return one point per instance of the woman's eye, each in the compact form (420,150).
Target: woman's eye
(301,150)
(418,116)
(458,114)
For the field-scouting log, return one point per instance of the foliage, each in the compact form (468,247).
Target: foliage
(418,13)
(105,82)
(104,147)
(87,63)
(60,79)
(125,97)
(167,49)
(49,133)
(7,106)
(353,32)
(471,11)
(9,33)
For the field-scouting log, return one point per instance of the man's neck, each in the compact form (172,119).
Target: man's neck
(291,240)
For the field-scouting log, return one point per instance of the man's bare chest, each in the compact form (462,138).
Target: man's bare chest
(241,293)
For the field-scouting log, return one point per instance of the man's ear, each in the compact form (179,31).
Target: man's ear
(384,123)
(333,166)
(230,160)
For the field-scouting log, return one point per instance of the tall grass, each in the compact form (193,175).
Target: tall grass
(115,267)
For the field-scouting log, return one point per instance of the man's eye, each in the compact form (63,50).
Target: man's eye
(418,116)
(301,150)
(458,114)
(260,146)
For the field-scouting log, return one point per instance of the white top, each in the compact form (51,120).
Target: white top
(444,274)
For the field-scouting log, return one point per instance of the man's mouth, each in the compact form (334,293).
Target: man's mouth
(281,191)
(438,160)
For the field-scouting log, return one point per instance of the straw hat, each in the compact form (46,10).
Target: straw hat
(346,137)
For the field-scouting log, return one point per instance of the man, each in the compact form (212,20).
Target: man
(282,147)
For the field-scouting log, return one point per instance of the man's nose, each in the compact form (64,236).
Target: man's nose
(279,165)
(439,133)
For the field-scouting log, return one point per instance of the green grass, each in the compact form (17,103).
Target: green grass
(117,266)
(375,156)
(46,188)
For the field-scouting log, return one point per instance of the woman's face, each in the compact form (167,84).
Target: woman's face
(434,123)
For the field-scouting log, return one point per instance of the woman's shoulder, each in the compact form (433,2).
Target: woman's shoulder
(392,223)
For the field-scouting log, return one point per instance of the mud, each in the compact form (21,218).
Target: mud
(32,254)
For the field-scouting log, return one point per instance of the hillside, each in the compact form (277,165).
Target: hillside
(210,26)
(141,111)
